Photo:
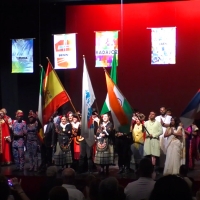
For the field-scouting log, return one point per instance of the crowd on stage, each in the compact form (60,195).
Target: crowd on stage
(161,137)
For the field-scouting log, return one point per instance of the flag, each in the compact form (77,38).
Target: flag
(54,94)
(88,98)
(113,75)
(118,105)
(188,115)
(40,103)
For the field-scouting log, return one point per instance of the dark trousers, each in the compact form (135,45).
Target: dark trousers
(43,156)
(49,152)
(123,151)
(85,150)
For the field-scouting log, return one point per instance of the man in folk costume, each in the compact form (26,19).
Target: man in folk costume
(164,120)
(152,144)
(5,139)
(19,132)
(104,139)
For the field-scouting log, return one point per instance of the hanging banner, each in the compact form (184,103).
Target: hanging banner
(163,45)
(106,45)
(22,56)
(65,51)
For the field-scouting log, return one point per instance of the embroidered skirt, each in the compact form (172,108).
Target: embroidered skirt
(62,158)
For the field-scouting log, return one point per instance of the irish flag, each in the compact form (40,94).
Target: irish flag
(118,105)
(54,93)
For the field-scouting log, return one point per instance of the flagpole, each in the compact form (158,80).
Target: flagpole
(62,86)
(114,83)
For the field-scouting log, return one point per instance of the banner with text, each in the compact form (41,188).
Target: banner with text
(163,45)
(106,45)
(65,51)
(22,56)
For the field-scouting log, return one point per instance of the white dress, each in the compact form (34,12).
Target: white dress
(173,155)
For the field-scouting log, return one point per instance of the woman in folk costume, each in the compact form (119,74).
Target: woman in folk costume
(173,148)
(104,150)
(76,133)
(192,143)
(96,122)
(19,132)
(183,152)
(32,141)
(5,152)
(138,135)
(63,155)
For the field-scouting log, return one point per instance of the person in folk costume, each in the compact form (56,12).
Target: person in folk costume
(104,140)
(123,143)
(191,145)
(173,148)
(6,118)
(96,122)
(164,120)
(138,136)
(5,140)
(19,133)
(49,141)
(152,144)
(133,120)
(63,155)
(76,131)
(32,141)
(183,145)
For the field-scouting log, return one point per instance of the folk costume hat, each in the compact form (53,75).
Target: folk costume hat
(19,113)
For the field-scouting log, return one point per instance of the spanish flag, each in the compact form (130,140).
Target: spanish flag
(54,93)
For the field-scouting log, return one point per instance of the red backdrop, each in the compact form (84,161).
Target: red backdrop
(145,86)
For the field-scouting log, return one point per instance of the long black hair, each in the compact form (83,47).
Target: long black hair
(177,122)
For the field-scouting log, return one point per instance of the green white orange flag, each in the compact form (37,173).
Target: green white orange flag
(40,103)
(117,104)
(113,75)
(54,93)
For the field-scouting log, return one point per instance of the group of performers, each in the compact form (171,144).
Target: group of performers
(162,138)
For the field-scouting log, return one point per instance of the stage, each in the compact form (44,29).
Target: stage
(31,181)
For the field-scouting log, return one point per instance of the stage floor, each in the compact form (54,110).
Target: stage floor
(31,181)
(9,170)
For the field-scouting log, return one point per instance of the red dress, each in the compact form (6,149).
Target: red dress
(5,150)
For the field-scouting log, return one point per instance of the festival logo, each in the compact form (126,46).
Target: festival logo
(106,46)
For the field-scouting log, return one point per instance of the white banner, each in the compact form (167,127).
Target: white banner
(65,51)
(163,45)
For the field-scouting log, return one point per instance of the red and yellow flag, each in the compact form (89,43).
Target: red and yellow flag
(54,94)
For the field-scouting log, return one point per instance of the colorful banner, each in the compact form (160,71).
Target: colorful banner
(22,55)
(106,46)
(163,49)
(65,51)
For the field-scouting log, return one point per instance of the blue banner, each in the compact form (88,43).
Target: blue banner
(22,55)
